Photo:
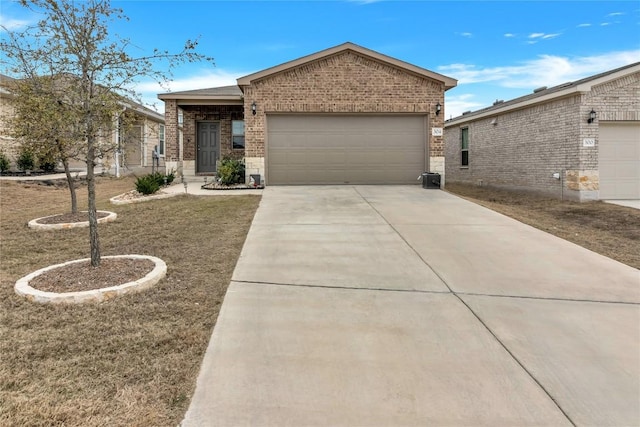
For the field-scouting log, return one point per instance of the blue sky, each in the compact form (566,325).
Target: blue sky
(495,49)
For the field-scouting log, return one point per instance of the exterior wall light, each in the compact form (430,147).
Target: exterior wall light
(254,108)
(592,116)
(438,108)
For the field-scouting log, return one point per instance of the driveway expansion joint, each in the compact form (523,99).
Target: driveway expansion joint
(475,294)
(476,315)
(353,288)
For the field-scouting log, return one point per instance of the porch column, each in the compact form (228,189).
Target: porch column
(171,135)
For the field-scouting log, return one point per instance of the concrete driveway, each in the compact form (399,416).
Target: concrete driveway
(399,306)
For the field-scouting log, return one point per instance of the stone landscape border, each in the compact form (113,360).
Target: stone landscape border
(22,287)
(35,224)
(117,200)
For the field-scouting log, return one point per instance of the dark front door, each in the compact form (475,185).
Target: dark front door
(208,147)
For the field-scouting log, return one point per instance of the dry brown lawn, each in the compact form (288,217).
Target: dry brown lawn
(610,230)
(131,361)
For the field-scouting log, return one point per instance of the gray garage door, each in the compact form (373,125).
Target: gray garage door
(325,149)
(619,160)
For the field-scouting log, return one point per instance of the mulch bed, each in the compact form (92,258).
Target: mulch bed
(68,218)
(81,276)
(216,186)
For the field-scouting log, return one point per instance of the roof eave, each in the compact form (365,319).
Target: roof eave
(572,90)
(422,72)
(518,106)
(183,97)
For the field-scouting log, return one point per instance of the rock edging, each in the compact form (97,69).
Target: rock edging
(34,223)
(121,200)
(22,287)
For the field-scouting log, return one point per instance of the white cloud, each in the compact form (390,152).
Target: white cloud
(12,24)
(205,79)
(466,34)
(541,36)
(509,35)
(583,25)
(615,14)
(604,24)
(458,104)
(546,70)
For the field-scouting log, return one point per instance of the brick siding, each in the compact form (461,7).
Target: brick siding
(525,147)
(342,83)
(222,114)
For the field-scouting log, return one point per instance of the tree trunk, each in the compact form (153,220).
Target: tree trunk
(72,187)
(93,220)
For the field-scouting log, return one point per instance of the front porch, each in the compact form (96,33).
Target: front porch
(203,127)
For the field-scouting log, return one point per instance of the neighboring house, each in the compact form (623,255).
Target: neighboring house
(136,145)
(141,140)
(345,115)
(8,145)
(578,140)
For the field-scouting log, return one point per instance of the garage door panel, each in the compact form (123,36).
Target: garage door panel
(325,149)
(619,160)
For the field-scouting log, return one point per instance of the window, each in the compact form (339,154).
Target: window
(464,147)
(237,134)
(180,117)
(161,140)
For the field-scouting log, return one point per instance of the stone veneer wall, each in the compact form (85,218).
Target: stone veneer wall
(524,148)
(345,83)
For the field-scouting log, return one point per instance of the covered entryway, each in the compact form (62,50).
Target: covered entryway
(345,149)
(132,147)
(619,160)
(208,147)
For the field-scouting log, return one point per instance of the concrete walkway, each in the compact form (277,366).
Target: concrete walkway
(398,306)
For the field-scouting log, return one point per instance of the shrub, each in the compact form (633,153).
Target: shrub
(46,163)
(231,171)
(5,164)
(147,184)
(25,160)
(160,177)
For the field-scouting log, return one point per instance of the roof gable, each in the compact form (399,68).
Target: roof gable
(412,69)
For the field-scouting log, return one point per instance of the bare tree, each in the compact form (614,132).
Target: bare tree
(81,73)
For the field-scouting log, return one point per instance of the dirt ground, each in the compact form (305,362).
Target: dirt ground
(610,230)
(129,361)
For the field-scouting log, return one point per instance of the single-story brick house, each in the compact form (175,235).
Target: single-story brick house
(578,140)
(343,115)
(136,146)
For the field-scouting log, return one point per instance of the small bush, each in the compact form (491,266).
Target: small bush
(147,184)
(25,160)
(171,176)
(47,163)
(160,177)
(231,171)
(5,164)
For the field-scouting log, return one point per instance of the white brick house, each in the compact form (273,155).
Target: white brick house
(343,115)
(579,140)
